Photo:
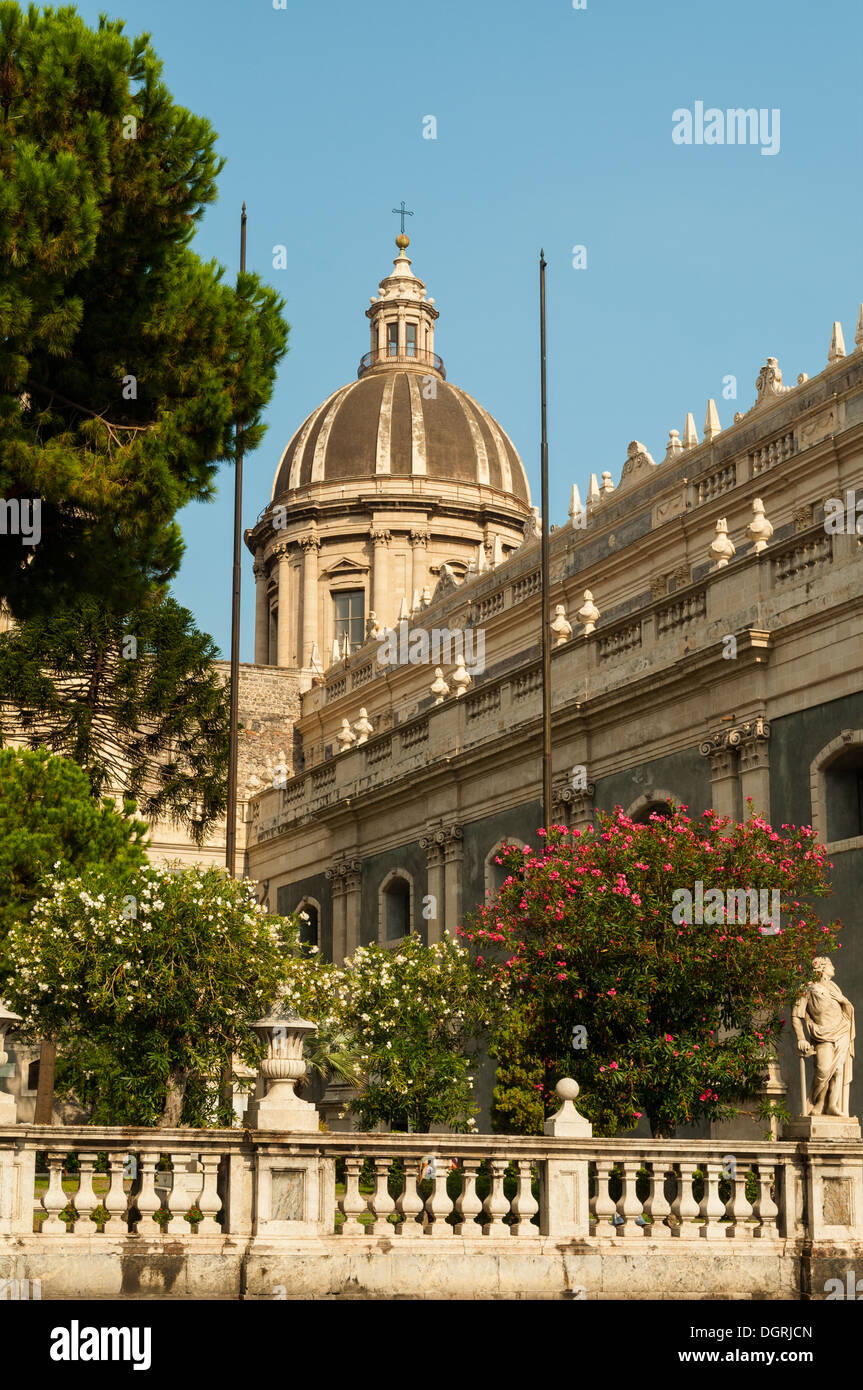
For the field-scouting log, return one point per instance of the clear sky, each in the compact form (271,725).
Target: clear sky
(554,129)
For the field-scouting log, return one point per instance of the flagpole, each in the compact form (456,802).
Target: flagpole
(544,615)
(233,748)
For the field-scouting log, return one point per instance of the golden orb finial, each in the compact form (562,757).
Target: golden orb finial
(403,241)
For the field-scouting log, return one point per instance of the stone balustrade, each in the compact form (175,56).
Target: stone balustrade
(218,1213)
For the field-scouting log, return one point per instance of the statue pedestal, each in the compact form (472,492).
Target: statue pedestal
(821,1127)
(282,1110)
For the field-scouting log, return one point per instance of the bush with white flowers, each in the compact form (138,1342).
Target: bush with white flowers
(419,1013)
(148,981)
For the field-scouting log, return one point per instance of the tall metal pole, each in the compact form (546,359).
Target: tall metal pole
(231,829)
(546,633)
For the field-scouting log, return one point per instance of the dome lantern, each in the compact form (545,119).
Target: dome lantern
(402,320)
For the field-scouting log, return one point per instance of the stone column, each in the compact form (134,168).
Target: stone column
(337,888)
(433,844)
(283,653)
(380,539)
(452,858)
(752,738)
(723,771)
(310,546)
(352,870)
(262,612)
(420,575)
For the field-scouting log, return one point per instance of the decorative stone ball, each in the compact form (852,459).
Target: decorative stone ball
(566,1088)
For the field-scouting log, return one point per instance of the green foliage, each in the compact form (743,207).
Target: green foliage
(148,981)
(419,1013)
(136,692)
(49,820)
(98,284)
(678,1017)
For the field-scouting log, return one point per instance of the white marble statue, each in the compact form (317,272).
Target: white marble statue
(829,1020)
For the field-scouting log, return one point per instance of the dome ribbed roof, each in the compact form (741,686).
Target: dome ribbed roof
(383,425)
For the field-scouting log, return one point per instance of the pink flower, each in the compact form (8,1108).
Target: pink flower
(612,992)
(613,1066)
(669,1038)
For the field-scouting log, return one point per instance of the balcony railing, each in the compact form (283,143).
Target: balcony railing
(415,358)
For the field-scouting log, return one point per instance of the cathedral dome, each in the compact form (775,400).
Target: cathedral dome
(404,421)
(401,417)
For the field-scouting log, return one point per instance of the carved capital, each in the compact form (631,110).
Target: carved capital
(344,874)
(442,842)
(379,535)
(418,538)
(751,730)
(307,543)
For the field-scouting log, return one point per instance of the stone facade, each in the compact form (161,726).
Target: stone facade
(710,678)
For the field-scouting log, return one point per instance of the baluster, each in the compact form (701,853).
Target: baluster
(712,1207)
(496,1204)
(766,1209)
(381,1203)
(54,1198)
(352,1204)
(439,1204)
(85,1200)
(656,1206)
(524,1204)
(604,1206)
(186,1186)
(738,1208)
(114,1201)
(410,1203)
(147,1199)
(629,1206)
(468,1205)
(684,1206)
(209,1202)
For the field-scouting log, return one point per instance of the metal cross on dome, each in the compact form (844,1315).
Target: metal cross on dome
(402,213)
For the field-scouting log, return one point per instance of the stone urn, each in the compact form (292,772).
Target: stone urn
(561,627)
(722,548)
(588,614)
(8,1108)
(281,1108)
(460,678)
(439,687)
(759,528)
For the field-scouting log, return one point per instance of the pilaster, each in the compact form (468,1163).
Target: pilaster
(310,545)
(262,612)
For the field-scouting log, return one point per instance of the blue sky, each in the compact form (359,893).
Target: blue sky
(554,129)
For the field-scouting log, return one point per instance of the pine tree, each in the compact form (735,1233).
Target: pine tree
(125,361)
(134,699)
(50,821)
